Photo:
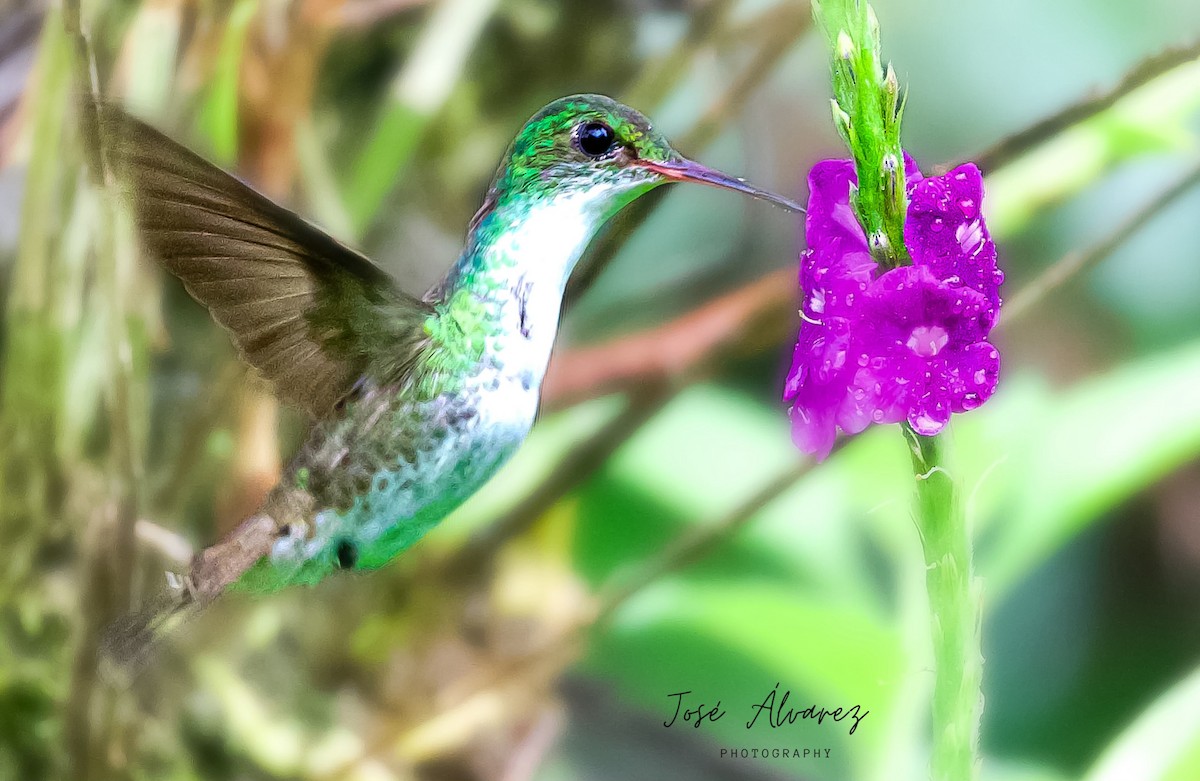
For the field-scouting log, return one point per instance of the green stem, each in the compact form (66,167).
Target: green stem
(867,107)
(954,609)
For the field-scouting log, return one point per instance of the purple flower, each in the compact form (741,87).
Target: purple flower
(910,343)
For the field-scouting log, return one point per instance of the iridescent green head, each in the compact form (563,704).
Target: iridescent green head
(585,141)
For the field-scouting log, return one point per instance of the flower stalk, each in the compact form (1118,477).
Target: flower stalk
(954,608)
(867,108)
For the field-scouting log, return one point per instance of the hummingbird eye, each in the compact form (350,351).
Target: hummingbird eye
(595,139)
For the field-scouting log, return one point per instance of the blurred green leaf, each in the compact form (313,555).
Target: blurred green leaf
(1152,119)
(734,641)
(1075,455)
(417,93)
(1163,744)
(697,461)
(218,112)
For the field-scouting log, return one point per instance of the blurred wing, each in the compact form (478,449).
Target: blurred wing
(308,312)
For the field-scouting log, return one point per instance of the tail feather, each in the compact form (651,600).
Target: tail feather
(131,641)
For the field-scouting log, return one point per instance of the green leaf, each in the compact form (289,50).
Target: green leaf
(1154,119)
(416,95)
(697,461)
(734,641)
(218,113)
(1163,744)
(1075,455)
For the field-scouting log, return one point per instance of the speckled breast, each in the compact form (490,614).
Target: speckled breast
(370,484)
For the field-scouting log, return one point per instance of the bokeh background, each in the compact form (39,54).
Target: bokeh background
(658,533)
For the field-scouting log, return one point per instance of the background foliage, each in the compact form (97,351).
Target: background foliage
(658,533)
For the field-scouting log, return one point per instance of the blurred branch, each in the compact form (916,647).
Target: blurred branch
(1017,144)
(172,546)
(548,659)
(194,439)
(784,26)
(361,14)
(32,374)
(696,543)
(619,588)
(1077,261)
(19,30)
(741,322)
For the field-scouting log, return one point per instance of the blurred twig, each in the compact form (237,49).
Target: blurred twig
(742,321)
(18,44)
(170,545)
(32,374)
(1077,261)
(536,666)
(194,439)
(1017,144)
(361,14)
(696,543)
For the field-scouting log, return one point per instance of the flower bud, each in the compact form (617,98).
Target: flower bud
(845,46)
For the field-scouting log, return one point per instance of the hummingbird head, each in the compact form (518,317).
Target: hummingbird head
(591,143)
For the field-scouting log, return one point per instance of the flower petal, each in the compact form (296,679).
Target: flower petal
(909,343)
(946,232)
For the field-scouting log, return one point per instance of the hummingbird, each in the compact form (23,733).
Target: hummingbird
(416,402)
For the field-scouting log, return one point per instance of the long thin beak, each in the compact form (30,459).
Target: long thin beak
(689,171)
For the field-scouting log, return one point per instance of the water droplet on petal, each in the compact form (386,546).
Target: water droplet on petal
(926,424)
(969,236)
(927,341)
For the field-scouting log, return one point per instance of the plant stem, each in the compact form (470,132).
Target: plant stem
(954,609)
(867,108)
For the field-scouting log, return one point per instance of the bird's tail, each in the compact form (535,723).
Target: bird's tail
(130,642)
